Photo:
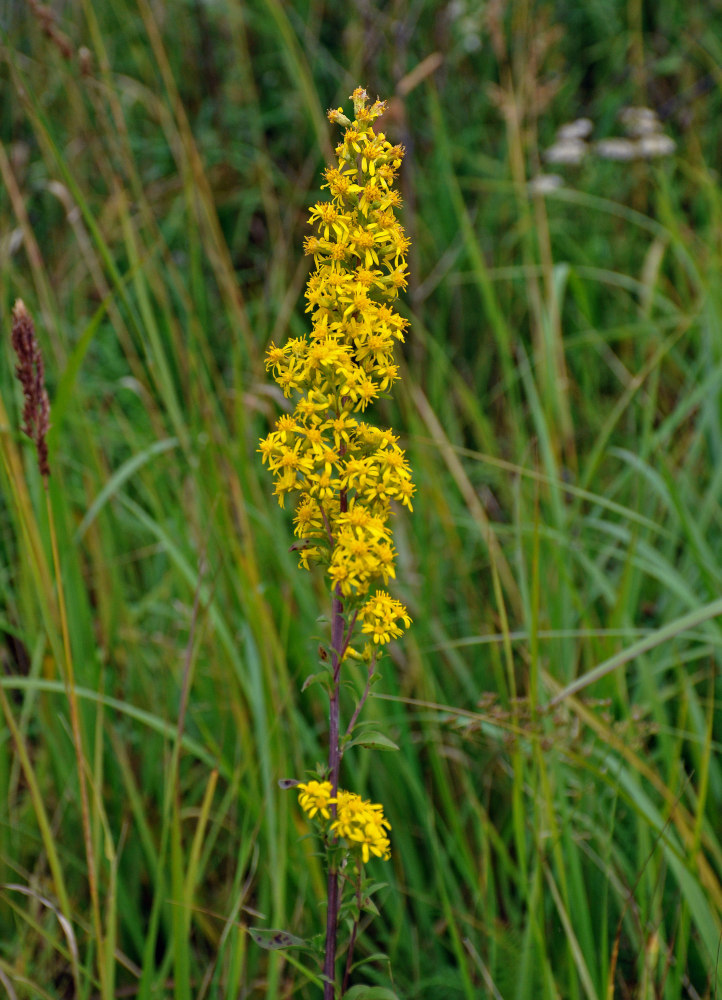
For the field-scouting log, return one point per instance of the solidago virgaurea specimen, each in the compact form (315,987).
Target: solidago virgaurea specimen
(341,470)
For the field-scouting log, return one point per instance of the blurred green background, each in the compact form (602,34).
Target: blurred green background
(560,407)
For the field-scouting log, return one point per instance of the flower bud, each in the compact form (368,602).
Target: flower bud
(337,117)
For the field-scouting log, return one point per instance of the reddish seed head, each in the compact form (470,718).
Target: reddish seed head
(31,375)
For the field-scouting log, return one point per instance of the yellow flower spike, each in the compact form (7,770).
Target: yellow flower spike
(343,472)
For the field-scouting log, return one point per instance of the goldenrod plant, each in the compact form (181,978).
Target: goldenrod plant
(556,797)
(345,473)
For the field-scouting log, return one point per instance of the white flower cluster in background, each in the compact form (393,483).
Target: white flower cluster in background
(644,140)
(467,21)
(570,146)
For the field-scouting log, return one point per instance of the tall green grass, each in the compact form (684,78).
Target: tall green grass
(561,400)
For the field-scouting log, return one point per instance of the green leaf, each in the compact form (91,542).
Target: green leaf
(369,993)
(319,678)
(273,940)
(372,741)
(369,887)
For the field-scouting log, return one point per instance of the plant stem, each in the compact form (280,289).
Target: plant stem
(354,931)
(337,630)
(329,961)
(334,762)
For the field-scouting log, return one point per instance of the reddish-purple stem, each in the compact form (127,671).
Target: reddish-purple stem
(354,932)
(334,764)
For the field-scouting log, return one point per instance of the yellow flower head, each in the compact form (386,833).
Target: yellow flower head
(315,797)
(321,453)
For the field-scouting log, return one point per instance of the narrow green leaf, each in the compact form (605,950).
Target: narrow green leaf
(683,624)
(120,476)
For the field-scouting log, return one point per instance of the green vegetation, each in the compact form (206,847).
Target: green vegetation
(560,408)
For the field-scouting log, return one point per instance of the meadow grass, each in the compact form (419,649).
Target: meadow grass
(560,407)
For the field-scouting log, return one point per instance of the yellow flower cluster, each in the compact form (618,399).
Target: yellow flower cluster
(379,617)
(361,823)
(344,471)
